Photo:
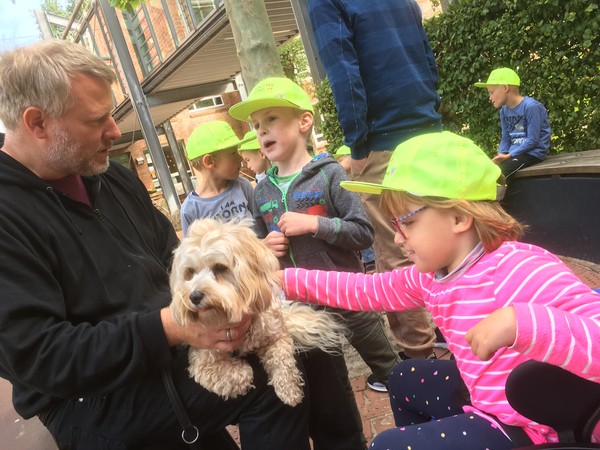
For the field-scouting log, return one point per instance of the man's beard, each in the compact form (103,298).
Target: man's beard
(69,156)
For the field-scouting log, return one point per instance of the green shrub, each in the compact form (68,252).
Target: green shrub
(329,126)
(126,5)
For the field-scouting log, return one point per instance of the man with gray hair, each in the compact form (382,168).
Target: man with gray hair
(86,335)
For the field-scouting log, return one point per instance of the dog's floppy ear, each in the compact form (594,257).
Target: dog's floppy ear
(256,267)
(177,306)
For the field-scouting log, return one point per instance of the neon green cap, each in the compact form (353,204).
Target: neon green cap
(252,144)
(437,165)
(503,75)
(341,151)
(270,92)
(210,137)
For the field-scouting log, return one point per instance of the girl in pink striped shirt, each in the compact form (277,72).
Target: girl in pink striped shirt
(497,301)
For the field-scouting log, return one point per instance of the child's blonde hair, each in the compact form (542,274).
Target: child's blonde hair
(492,223)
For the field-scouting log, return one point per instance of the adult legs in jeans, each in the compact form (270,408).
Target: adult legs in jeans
(141,415)
(411,329)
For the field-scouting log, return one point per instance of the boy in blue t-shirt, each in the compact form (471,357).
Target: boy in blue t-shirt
(221,193)
(525,129)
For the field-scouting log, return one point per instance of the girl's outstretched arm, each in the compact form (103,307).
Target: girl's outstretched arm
(397,290)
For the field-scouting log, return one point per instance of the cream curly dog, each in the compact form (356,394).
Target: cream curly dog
(222,272)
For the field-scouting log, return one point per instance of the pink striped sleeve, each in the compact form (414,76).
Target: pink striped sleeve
(389,291)
(558,316)
(563,338)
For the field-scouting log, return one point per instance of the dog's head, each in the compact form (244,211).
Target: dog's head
(222,271)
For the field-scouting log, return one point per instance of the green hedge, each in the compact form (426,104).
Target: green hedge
(554,45)
(329,126)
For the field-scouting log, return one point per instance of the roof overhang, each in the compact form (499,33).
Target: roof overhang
(204,65)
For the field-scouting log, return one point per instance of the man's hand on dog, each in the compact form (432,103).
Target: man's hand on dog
(198,335)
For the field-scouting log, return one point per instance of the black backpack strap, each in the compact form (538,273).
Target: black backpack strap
(590,425)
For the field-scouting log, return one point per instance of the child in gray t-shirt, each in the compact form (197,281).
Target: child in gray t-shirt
(221,193)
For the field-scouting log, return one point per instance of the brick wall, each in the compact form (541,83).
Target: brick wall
(183,124)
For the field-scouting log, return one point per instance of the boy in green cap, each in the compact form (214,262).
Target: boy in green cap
(304,216)
(342,155)
(255,159)
(525,129)
(221,193)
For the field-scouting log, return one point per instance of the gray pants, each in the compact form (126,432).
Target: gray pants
(369,339)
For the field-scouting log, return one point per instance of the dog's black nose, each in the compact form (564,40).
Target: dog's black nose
(196,297)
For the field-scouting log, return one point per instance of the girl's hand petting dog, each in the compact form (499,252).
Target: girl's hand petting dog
(497,330)
(198,335)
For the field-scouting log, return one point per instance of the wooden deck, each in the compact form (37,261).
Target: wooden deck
(564,164)
(559,200)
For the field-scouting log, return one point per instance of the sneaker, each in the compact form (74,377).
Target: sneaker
(373,383)
(403,356)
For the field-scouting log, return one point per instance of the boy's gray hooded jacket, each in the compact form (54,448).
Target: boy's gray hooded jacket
(344,227)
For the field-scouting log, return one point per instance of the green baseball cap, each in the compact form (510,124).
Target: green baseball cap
(503,75)
(341,151)
(210,137)
(270,92)
(440,164)
(252,144)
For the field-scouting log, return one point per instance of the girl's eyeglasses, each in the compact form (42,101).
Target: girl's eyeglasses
(398,222)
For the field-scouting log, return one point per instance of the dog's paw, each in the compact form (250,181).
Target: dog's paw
(227,381)
(287,384)
(291,395)
(240,380)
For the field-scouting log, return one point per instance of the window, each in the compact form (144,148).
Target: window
(193,12)
(203,8)
(207,102)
